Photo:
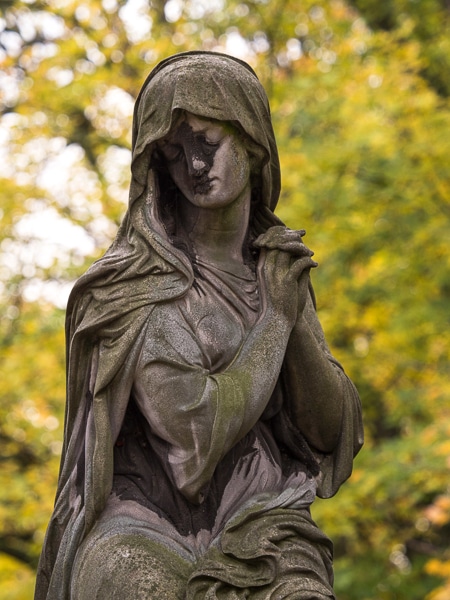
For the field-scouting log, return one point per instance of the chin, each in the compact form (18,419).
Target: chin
(201,198)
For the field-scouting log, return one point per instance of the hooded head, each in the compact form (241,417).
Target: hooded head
(213,86)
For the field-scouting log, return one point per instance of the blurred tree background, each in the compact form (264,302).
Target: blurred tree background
(360,99)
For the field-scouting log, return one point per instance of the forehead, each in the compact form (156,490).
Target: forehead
(198,124)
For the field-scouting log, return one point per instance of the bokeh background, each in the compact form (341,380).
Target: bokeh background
(360,99)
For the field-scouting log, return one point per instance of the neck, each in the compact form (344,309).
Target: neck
(217,234)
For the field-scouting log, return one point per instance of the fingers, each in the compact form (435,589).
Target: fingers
(283,256)
(275,260)
(278,234)
(282,247)
(293,247)
(280,265)
(282,238)
(299,265)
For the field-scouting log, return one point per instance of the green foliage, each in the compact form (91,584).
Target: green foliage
(361,116)
(31,417)
(425,21)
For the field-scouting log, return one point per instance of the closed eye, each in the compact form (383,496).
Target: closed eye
(208,147)
(171,152)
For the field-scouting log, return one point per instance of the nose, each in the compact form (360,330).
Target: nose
(197,165)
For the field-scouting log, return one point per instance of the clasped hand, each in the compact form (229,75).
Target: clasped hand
(283,270)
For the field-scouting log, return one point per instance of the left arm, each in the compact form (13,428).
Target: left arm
(318,383)
(319,391)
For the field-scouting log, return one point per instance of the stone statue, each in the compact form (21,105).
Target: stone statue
(204,409)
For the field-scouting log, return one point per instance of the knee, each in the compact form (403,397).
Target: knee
(128,567)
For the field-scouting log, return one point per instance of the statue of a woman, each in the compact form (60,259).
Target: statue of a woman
(204,409)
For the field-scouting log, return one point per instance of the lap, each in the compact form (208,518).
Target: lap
(274,555)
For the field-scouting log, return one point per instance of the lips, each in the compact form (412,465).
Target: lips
(202,185)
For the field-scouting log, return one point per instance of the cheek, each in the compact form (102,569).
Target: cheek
(178,173)
(236,163)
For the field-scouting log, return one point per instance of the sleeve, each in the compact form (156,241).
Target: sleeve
(335,466)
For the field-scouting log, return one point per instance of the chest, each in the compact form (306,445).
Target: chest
(218,326)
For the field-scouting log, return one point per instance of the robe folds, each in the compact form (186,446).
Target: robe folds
(221,512)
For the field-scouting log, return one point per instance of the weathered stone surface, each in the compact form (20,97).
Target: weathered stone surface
(204,409)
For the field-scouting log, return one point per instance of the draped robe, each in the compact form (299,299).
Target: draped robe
(254,487)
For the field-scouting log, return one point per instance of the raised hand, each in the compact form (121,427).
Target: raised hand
(283,269)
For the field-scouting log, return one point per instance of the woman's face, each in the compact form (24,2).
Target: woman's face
(207,161)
